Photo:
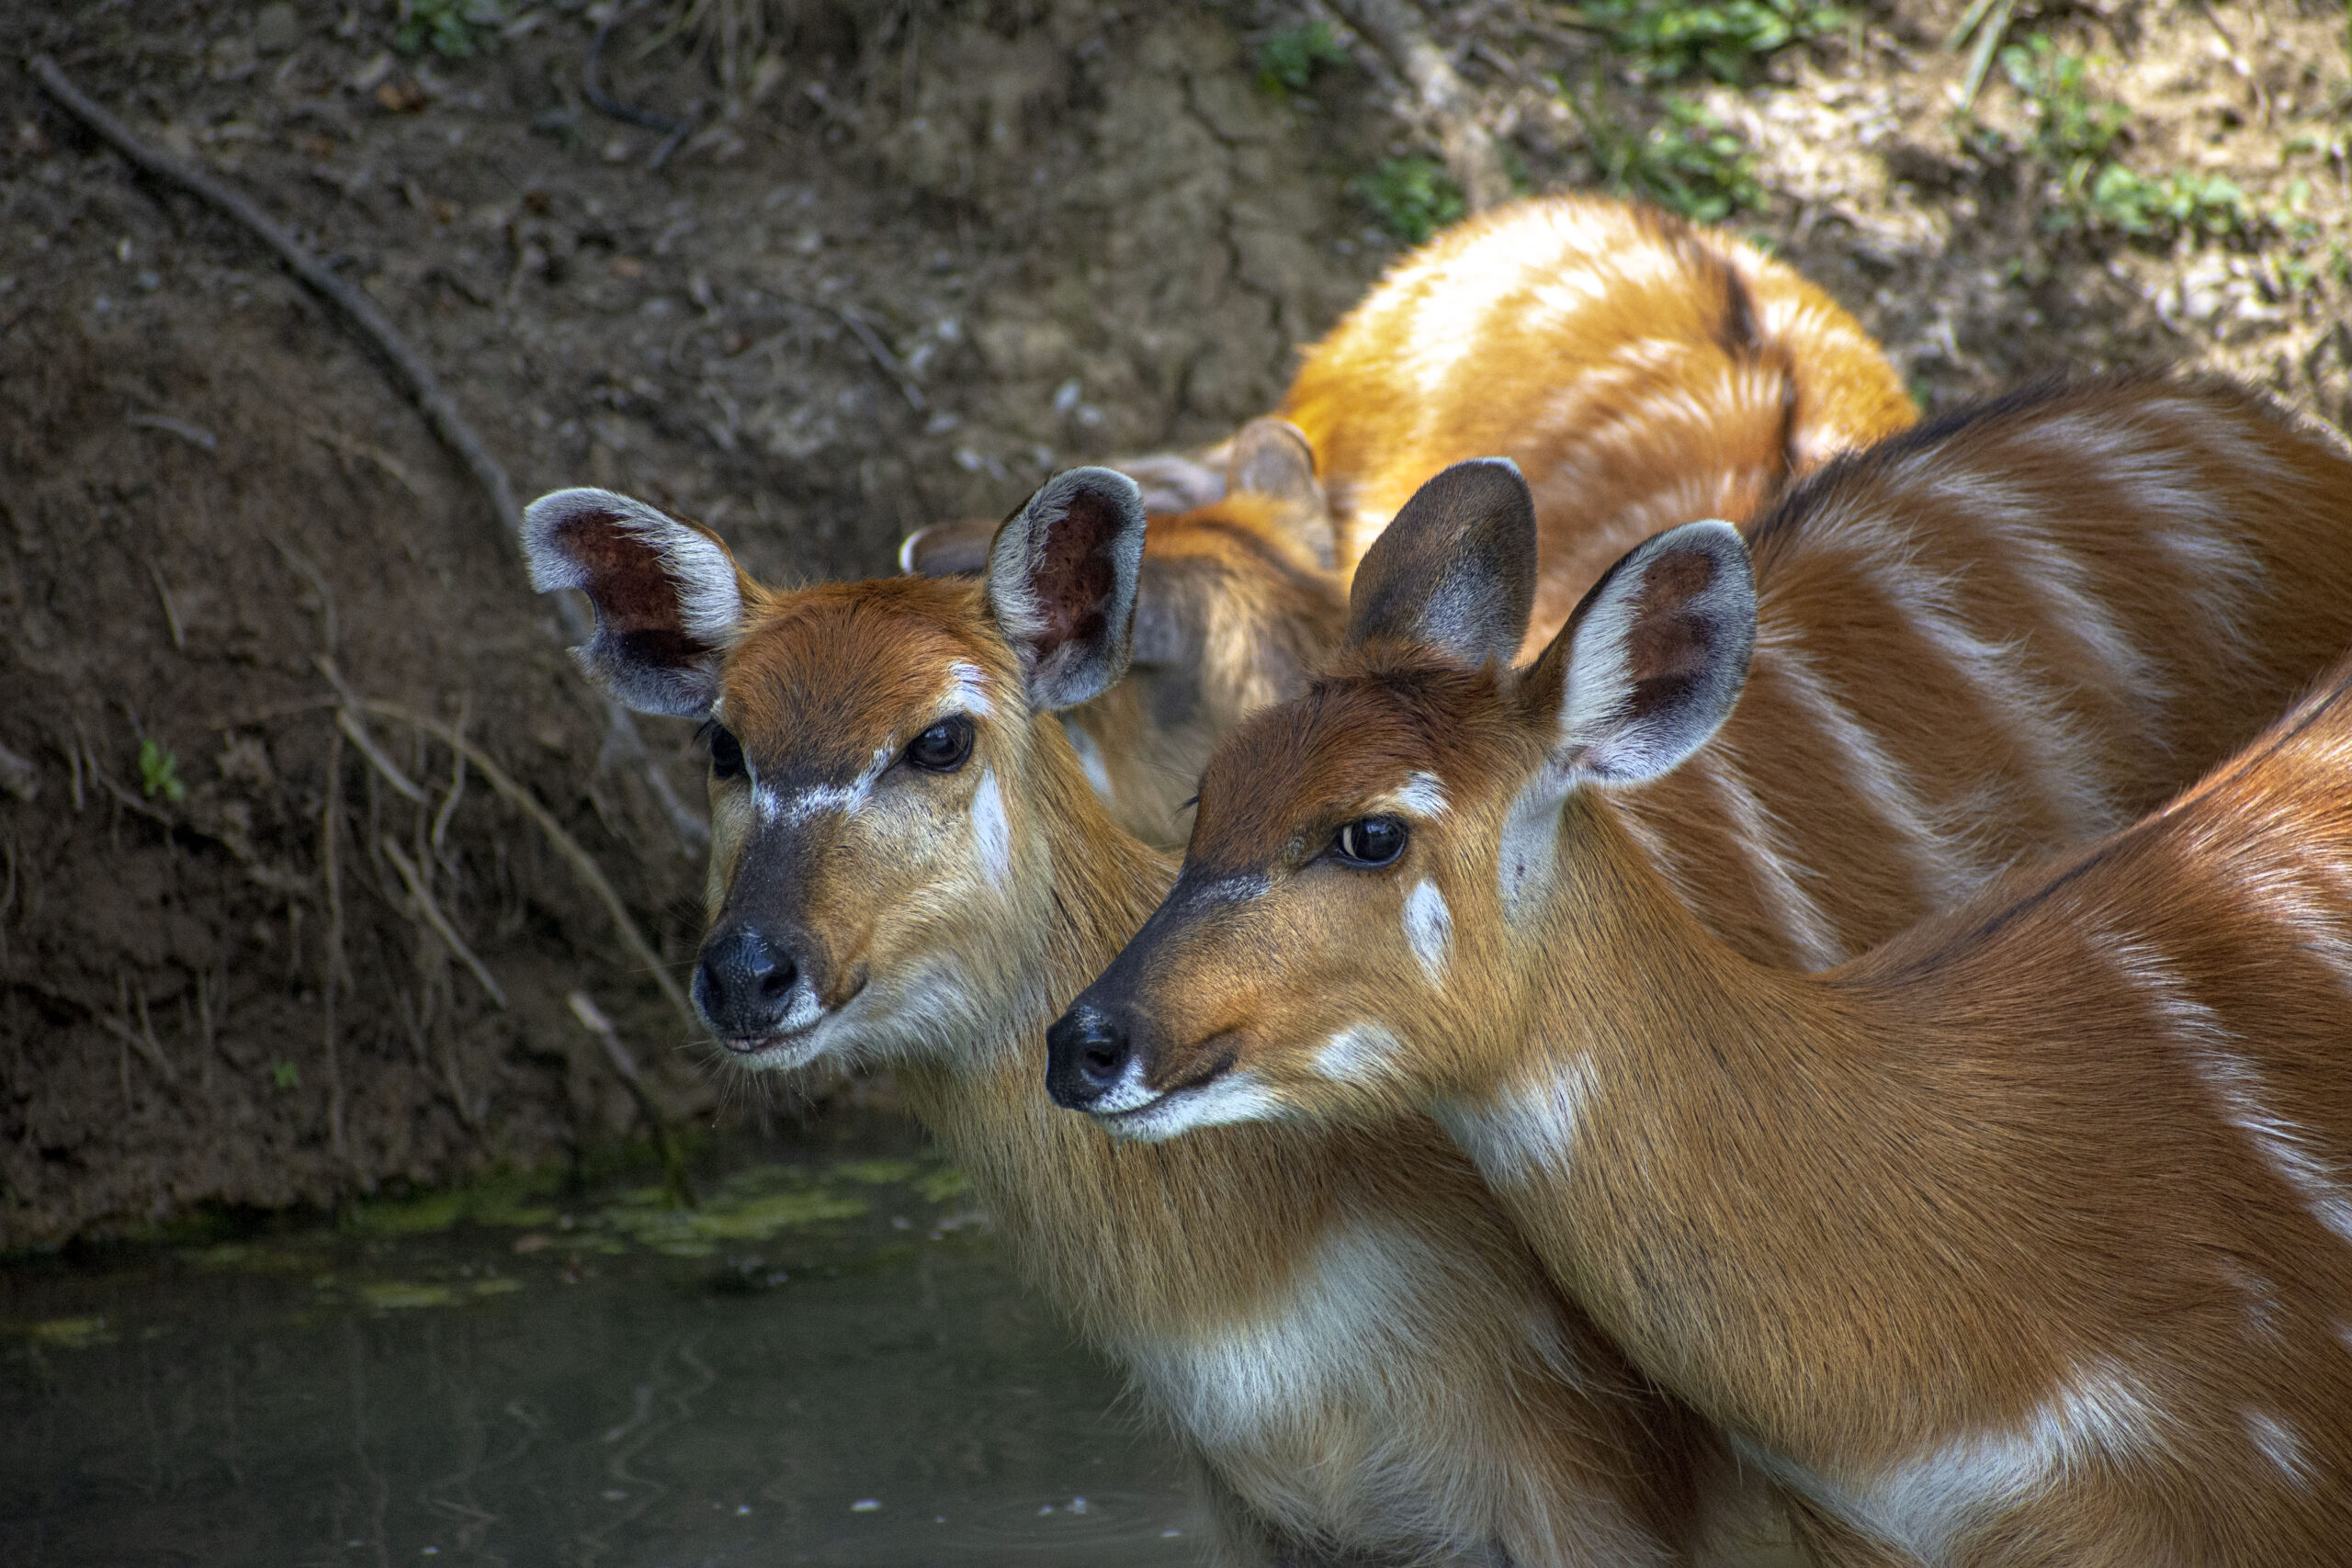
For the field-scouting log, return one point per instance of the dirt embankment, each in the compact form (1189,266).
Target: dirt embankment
(254,952)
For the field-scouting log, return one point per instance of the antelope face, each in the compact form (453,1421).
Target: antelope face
(1356,900)
(1236,601)
(879,877)
(863,847)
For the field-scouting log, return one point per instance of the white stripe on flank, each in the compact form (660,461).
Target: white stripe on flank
(2285,1147)
(1429,926)
(2099,1416)
(1995,671)
(1791,908)
(1884,785)
(2279,1443)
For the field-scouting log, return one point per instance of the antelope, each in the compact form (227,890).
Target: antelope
(910,868)
(2019,1239)
(1643,372)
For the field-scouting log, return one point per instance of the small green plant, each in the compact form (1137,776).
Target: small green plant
(2073,141)
(1288,60)
(1413,197)
(159,772)
(285,1075)
(456,29)
(1723,40)
(1688,163)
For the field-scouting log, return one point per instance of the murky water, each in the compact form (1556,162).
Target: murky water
(828,1362)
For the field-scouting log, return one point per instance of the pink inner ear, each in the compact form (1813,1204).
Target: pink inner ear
(1074,577)
(633,592)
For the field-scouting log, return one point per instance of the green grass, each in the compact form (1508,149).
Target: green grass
(1413,197)
(159,772)
(1725,40)
(455,29)
(1687,162)
(2074,144)
(1288,60)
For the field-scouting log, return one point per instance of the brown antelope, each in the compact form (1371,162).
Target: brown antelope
(1641,371)
(909,868)
(2024,1239)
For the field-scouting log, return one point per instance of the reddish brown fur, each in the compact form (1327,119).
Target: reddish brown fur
(1557,1451)
(1641,371)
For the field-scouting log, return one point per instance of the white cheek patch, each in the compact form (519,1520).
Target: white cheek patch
(1090,757)
(1360,1051)
(1429,926)
(1236,1096)
(1529,1130)
(991,833)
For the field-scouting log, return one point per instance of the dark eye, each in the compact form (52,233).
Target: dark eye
(1370,840)
(943,747)
(725,754)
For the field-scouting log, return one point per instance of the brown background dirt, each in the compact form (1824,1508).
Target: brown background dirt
(1070,230)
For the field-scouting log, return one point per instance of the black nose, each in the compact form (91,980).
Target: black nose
(742,982)
(1085,1051)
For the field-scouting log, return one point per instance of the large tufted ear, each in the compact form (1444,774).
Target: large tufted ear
(1654,658)
(666,593)
(1455,571)
(1061,584)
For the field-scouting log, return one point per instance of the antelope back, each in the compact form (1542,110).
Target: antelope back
(2010,631)
(1641,370)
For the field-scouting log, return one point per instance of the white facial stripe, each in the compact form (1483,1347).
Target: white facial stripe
(969,695)
(1529,1129)
(991,833)
(1233,889)
(1421,796)
(1429,926)
(1360,1051)
(815,800)
(1090,757)
(1234,1096)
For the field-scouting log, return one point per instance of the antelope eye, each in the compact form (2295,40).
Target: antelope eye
(1370,840)
(943,747)
(725,754)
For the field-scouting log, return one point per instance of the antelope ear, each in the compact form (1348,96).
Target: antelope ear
(667,595)
(947,549)
(1271,457)
(1173,481)
(1061,584)
(1652,662)
(1456,570)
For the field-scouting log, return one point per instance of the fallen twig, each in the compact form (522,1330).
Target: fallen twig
(431,913)
(424,387)
(591,82)
(142,1039)
(1445,101)
(347,718)
(673,1166)
(563,843)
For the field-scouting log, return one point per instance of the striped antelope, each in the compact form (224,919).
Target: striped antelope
(1641,370)
(2024,1239)
(908,867)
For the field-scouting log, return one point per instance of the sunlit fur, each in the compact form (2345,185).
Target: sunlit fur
(1641,370)
(2020,1240)
(1342,1328)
